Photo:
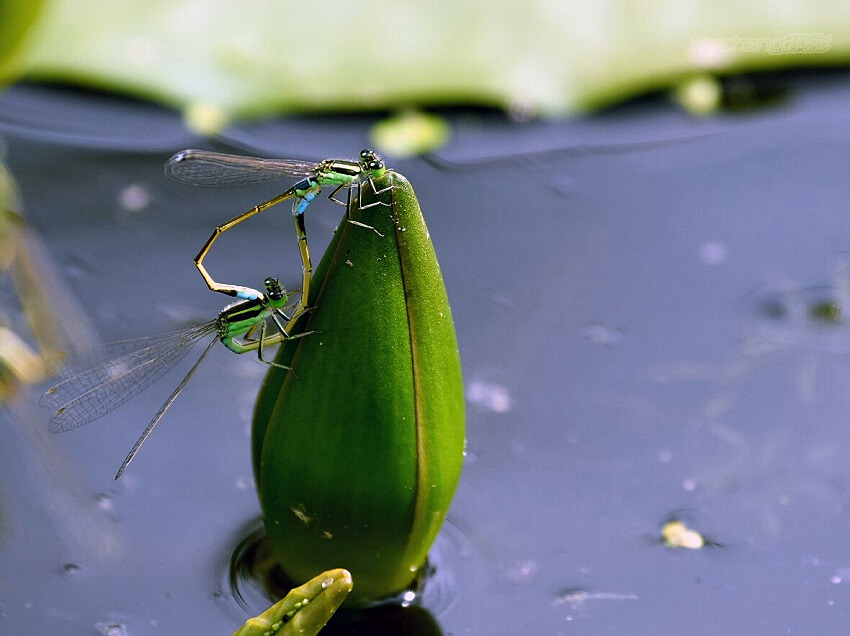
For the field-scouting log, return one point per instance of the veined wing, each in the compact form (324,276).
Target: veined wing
(97,357)
(93,389)
(206,168)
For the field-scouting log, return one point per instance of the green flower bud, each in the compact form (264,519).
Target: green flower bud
(358,450)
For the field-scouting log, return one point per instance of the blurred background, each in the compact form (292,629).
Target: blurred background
(640,213)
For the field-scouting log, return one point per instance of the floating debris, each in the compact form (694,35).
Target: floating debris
(111,629)
(575,597)
(71,569)
(676,534)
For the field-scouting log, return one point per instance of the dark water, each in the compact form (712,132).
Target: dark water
(648,331)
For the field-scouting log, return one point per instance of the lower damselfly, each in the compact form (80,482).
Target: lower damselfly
(98,381)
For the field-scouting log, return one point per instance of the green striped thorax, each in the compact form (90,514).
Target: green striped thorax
(344,172)
(358,451)
(242,316)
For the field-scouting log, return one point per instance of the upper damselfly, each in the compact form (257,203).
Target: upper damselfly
(206,168)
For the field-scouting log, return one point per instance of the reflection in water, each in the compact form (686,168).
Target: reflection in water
(40,319)
(81,522)
(253,577)
(87,119)
(712,253)
(27,355)
(488,396)
(576,597)
(782,453)
(705,94)
(812,318)
(256,578)
(602,335)
(135,198)
(386,620)
(255,581)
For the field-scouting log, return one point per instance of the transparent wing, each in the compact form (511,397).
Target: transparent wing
(105,378)
(205,168)
(99,356)
(159,414)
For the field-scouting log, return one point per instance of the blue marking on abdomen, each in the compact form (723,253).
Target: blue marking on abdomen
(248,294)
(304,201)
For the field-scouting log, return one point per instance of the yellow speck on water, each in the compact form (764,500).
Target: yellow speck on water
(675,534)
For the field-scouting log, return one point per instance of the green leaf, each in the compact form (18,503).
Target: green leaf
(16,18)
(218,61)
(359,450)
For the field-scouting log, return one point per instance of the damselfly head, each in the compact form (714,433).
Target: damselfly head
(372,162)
(274,290)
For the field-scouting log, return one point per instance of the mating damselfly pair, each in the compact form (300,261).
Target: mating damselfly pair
(104,379)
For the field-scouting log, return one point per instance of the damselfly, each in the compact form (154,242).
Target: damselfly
(105,378)
(206,168)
